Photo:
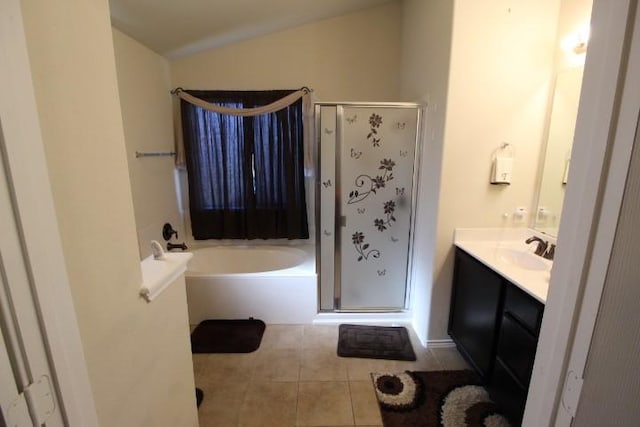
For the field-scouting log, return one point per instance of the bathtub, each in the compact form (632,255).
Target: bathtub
(276,284)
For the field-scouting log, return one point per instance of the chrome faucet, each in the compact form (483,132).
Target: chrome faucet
(171,246)
(542,245)
(550,252)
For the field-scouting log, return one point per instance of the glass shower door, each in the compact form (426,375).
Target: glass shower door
(376,161)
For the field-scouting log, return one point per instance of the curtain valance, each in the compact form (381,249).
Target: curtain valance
(307,108)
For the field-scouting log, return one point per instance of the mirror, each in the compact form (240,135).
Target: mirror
(557,157)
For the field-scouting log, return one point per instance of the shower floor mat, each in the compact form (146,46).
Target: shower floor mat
(227,336)
(375,342)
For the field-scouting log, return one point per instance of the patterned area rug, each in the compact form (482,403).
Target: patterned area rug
(434,399)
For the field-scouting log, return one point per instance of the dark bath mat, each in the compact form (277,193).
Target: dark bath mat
(375,342)
(199,396)
(227,336)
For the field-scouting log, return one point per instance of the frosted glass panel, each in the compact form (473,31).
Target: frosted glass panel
(327,157)
(377,149)
(365,188)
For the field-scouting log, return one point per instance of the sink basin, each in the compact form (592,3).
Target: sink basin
(523,259)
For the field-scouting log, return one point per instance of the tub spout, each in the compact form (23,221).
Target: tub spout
(171,246)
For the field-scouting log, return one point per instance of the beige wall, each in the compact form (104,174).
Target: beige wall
(144,83)
(350,58)
(138,356)
(426,47)
(501,63)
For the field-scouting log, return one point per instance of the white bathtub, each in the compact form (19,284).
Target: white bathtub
(276,284)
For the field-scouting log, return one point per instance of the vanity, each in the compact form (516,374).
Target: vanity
(497,302)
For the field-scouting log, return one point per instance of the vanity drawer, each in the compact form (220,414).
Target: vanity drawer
(524,308)
(517,349)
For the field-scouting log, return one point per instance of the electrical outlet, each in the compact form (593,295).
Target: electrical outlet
(519,215)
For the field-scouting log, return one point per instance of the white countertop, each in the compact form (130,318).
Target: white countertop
(487,245)
(157,275)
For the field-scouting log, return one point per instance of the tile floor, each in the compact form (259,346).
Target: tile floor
(296,378)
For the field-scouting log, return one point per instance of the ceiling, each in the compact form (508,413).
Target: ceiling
(177,28)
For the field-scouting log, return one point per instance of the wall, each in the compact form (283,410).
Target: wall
(144,83)
(354,57)
(498,88)
(133,381)
(427,28)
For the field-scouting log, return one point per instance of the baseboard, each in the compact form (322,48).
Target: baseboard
(446,343)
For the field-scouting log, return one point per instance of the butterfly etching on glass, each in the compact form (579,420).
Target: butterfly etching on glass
(403,153)
(399,191)
(352,120)
(355,154)
(361,210)
(327,183)
(394,239)
(382,272)
(400,126)
(328,131)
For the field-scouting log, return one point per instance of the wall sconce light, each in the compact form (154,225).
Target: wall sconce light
(580,47)
(577,42)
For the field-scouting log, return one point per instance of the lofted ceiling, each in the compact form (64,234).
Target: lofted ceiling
(178,28)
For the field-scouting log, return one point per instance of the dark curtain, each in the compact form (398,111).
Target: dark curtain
(246,174)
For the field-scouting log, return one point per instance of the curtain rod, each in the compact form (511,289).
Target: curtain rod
(155,154)
(177,90)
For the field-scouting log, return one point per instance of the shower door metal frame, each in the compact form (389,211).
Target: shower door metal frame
(337,284)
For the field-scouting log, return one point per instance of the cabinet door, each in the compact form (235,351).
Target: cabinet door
(474,315)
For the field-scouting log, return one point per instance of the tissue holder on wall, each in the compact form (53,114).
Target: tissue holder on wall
(501,170)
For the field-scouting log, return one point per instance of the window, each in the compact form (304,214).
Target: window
(246,174)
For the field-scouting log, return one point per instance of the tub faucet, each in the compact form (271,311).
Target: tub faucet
(171,246)
(542,245)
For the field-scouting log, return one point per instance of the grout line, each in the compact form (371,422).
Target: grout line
(353,412)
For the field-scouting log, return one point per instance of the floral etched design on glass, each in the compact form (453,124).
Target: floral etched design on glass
(374,183)
(382,223)
(363,248)
(375,121)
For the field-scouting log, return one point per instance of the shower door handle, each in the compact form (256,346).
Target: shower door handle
(343,220)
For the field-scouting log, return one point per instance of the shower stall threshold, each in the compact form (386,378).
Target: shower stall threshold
(399,318)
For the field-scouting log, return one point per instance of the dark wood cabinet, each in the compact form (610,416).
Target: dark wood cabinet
(495,325)
(474,314)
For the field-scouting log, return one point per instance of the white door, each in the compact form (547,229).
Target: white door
(28,387)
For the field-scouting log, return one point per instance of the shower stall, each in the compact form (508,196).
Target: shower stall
(368,156)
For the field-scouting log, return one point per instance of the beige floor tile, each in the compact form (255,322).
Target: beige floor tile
(361,369)
(221,404)
(324,404)
(199,363)
(282,337)
(226,368)
(322,364)
(449,358)
(364,403)
(320,336)
(426,361)
(269,404)
(277,365)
